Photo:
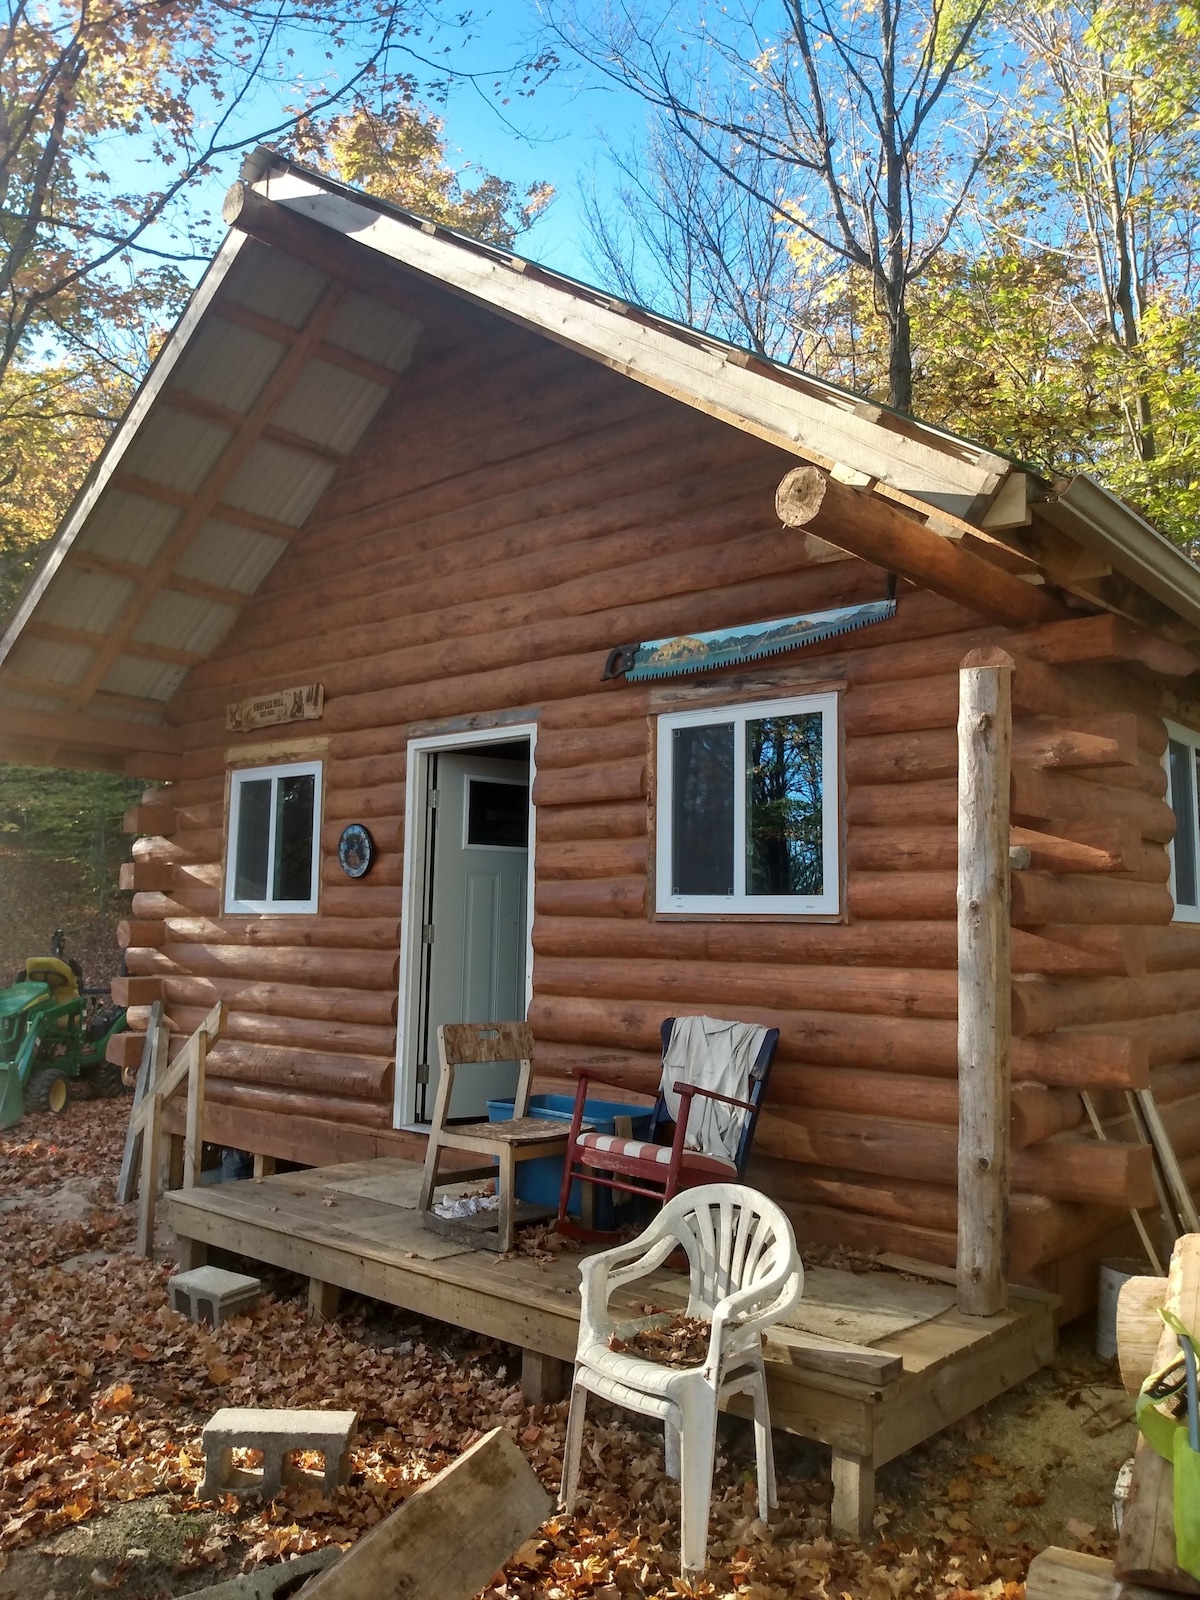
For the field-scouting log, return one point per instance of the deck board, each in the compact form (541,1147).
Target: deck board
(356,1226)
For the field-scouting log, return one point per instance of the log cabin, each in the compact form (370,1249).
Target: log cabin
(497,648)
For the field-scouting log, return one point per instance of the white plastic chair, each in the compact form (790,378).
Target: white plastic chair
(745,1274)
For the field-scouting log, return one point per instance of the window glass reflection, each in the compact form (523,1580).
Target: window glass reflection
(784,806)
(702,810)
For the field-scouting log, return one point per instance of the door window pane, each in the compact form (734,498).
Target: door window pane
(294,837)
(784,854)
(253,839)
(497,814)
(702,810)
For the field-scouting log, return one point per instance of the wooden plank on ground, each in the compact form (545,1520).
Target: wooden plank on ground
(150,1115)
(1146,1549)
(448,1538)
(1070,1575)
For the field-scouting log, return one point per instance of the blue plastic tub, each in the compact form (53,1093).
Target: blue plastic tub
(540,1181)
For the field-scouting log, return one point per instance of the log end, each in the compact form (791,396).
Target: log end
(799,496)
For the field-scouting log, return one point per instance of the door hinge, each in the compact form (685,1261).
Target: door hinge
(422,1072)
(433,799)
(427,933)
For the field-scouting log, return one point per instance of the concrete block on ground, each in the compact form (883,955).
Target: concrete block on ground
(278,1582)
(210,1294)
(279,1435)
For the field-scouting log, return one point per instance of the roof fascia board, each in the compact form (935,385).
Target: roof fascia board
(820,427)
(1103,524)
(85,501)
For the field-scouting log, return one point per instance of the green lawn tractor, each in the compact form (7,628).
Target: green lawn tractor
(53,1036)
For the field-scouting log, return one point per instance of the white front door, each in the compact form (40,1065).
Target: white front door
(478,871)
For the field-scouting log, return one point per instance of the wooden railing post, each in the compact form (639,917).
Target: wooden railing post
(984,980)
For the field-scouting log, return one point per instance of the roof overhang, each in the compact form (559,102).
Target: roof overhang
(233,437)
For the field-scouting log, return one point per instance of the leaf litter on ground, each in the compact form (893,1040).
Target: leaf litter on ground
(104,1391)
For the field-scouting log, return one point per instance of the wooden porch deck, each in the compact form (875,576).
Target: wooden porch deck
(917,1364)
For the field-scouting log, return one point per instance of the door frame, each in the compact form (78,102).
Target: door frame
(413,893)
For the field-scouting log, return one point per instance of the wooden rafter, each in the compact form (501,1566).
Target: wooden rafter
(96,733)
(195,405)
(131,483)
(203,505)
(55,633)
(90,561)
(281,333)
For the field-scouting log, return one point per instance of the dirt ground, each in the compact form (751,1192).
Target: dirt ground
(103,1392)
(37,897)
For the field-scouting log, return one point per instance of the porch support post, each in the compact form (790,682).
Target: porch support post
(984,980)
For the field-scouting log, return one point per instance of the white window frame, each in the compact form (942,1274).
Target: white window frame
(1186,736)
(244,775)
(739,903)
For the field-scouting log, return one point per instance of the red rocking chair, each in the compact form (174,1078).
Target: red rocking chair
(652,1167)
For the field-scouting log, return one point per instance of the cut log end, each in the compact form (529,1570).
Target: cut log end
(799,496)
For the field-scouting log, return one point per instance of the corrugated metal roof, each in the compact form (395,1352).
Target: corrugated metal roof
(129,527)
(90,601)
(20,701)
(176,449)
(109,713)
(374,331)
(275,285)
(231,557)
(184,622)
(228,364)
(329,405)
(279,483)
(143,678)
(51,662)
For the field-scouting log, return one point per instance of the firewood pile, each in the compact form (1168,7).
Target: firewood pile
(1147,1560)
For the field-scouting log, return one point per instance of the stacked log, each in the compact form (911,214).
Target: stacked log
(513,514)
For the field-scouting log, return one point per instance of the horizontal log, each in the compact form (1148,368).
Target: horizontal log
(1047,897)
(570,824)
(385,801)
(302,1068)
(313,933)
(1049,852)
(913,944)
(293,1033)
(291,1103)
(599,897)
(616,780)
(352,969)
(140,992)
(592,858)
(900,757)
(839,1039)
(1105,638)
(886,707)
(188,899)
(1079,1171)
(1049,1003)
(319,1003)
(575,747)
(140,935)
(1172,948)
(888,805)
(1039,1113)
(829,1227)
(902,896)
(1037,796)
(146,875)
(685,987)
(899,849)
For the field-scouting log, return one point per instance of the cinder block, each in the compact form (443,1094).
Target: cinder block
(209,1294)
(279,1435)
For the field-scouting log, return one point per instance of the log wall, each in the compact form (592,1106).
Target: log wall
(513,514)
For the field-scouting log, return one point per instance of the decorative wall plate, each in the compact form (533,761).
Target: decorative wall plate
(356,850)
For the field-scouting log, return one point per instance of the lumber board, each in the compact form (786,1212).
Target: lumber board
(450,1536)
(1057,1574)
(131,1159)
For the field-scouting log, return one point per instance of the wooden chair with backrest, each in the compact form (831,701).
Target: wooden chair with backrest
(522,1138)
(663,1164)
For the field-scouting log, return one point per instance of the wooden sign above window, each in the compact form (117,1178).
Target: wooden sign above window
(304,703)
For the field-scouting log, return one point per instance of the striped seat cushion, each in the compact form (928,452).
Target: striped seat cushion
(611,1144)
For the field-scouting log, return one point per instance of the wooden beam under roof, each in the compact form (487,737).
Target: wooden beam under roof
(282,333)
(131,483)
(195,405)
(92,561)
(99,733)
(57,634)
(205,501)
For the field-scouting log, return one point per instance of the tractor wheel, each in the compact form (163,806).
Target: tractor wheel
(48,1089)
(104,1080)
